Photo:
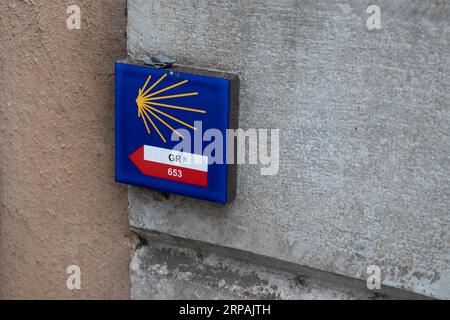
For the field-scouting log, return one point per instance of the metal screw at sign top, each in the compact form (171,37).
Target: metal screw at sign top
(160,61)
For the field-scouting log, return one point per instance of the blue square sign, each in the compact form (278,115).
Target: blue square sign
(168,123)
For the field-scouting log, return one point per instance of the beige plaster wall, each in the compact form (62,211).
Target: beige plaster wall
(59,204)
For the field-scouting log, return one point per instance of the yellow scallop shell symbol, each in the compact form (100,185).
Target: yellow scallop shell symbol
(149,107)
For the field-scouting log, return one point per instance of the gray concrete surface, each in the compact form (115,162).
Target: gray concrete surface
(165,271)
(364,119)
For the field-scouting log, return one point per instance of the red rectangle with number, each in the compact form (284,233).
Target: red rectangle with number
(172,165)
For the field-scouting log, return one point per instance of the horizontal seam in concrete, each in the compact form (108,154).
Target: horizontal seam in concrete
(277,264)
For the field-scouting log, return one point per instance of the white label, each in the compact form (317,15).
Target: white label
(176,158)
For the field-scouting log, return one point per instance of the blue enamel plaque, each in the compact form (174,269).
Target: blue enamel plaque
(163,139)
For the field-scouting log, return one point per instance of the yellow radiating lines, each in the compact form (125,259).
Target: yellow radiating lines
(154,126)
(167,88)
(165,123)
(176,107)
(155,84)
(147,105)
(138,102)
(146,83)
(148,108)
(172,96)
(146,125)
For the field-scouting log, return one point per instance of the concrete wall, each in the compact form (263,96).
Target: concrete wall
(364,173)
(170,269)
(364,119)
(59,204)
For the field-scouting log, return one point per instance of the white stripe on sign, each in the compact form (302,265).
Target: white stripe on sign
(176,158)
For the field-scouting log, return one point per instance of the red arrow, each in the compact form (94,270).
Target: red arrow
(167,171)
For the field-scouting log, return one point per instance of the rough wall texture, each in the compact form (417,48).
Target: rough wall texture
(161,270)
(364,118)
(59,204)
